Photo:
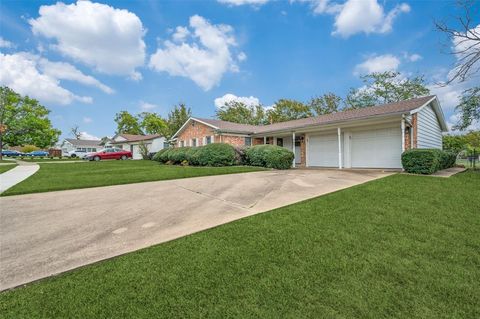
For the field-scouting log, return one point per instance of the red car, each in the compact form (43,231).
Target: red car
(109,153)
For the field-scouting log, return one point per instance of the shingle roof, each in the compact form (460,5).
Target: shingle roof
(368,112)
(76,142)
(136,138)
(229,126)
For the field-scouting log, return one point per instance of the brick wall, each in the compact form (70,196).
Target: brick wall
(303,151)
(233,140)
(197,130)
(257,141)
(407,139)
(414,128)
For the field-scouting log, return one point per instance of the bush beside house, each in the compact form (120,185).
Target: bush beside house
(427,161)
(219,154)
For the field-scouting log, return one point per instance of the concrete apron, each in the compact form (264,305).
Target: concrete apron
(49,233)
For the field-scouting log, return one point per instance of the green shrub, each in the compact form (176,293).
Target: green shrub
(270,156)
(216,154)
(162,155)
(427,161)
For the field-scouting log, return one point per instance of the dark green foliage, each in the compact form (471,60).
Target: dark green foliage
(217,154)
(270,156)
(427,161)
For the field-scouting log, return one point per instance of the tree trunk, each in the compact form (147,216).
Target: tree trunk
(1,146)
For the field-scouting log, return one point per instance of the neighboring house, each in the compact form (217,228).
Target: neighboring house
(372,137)
(72,144)
(131,142)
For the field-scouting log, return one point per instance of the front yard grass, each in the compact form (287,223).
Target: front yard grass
(62,176)
(4,168)
(48,159)
(399,247)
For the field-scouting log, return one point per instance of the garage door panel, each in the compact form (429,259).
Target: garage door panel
(323,150)
(377,148)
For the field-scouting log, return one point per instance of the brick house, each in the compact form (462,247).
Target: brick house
(372,137)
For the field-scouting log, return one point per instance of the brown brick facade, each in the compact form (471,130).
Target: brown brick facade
(303,151)
(407,138)
(414,129)
(257,141)
(233,140)
(195,130)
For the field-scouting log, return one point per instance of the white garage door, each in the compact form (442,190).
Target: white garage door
(136,152)
(323,150)
(377,148)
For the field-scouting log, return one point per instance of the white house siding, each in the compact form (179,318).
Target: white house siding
(157,144)
(429,133)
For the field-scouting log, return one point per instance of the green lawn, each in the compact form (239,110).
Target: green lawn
(467,163)
(399,247)
(4,168)
(60,176)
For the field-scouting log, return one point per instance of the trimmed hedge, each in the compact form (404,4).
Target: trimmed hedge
(270,156)
(427,161)
(209,155)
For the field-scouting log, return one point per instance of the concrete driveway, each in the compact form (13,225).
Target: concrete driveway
(48,233)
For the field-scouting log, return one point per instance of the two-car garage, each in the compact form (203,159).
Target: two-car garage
(379,147)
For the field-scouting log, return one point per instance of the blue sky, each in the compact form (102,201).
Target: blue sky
(87,61)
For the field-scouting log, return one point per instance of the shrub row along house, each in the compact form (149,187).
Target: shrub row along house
(372,137)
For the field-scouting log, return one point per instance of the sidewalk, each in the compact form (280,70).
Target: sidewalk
(14,176)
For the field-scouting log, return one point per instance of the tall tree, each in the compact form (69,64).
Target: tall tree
(177,117)
(325,104)
(286,110)
(127,123)
(468,108)
(24,121)
(385,87)
(152,123)
(239,112)
(465,39)
(76,132)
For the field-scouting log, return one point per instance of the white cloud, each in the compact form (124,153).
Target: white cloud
(413,57)
(66,71)
(378,63)
(87,136)
(87,120)
(449,96)
(181,34)
(366,16)
(204,59)
(98,35)
(241,56)
(6,44)
(247,100)
(243,2)
(145,106)
(21,72)
(464,49)
(357,16)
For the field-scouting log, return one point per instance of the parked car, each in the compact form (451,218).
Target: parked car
(37,153)
(11,153)
(76,153)
(109,153)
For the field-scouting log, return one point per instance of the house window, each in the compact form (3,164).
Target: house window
(194,142)
(166,145)
(248,141)
(182,143)
(280,141)
(208,140)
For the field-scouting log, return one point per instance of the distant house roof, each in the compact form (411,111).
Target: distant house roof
(135,138)
(76,142)
(350,115)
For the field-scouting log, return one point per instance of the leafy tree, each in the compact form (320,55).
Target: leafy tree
(454,143)
(152,123)
(24,121)
(286,110)
(239,112)
(468,108)
(76,132)
(177,117)
(385,87)
(472,139)
(127,123)
(325,104)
